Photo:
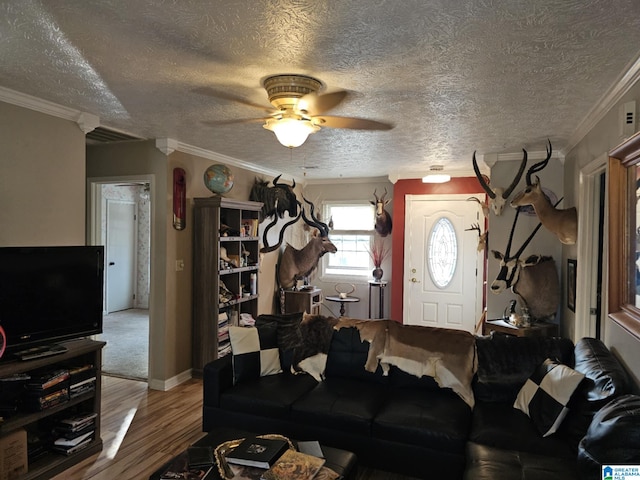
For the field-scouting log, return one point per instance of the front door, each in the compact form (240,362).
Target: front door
(443,268)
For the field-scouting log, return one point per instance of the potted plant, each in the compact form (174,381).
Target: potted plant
(378,252)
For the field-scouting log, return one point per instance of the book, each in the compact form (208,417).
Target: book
(257,452)
(293,465)
(200,457)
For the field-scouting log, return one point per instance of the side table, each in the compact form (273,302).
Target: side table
(540,329)
(380,285)
(342,302)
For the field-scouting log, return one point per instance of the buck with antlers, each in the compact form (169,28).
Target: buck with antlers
(383,223)
(498,195)
(482,237)
(296,264)
(534,280)
(563,223)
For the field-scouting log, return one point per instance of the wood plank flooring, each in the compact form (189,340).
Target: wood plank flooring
(142,429)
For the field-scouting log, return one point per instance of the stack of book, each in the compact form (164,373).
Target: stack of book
(75,433)
(224,344)
(82,379)
(47,389)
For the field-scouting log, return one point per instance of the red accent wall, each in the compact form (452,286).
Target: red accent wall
(401,188)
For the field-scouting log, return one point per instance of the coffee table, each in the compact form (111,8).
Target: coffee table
(340,461)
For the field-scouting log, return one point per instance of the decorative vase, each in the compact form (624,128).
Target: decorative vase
(377,273)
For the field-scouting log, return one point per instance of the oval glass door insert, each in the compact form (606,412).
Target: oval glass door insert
(442,252)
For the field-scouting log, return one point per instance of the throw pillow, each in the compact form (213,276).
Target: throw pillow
(545,395)
(317,332)
(254,352)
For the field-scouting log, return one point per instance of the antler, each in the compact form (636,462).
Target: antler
(266,248)
(314,222)
(474,226)
(529,238)
(277,184)
(518,176)
(536,167)
(483,183)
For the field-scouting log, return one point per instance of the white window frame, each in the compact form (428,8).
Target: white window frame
(370,233)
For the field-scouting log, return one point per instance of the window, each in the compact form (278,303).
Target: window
(352,235)
(624,289)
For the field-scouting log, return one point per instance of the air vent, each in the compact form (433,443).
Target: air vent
(627,119)
(106,135)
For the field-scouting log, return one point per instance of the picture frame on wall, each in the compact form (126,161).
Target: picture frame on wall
(571,284)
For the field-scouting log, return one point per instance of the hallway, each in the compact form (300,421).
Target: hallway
(126,354)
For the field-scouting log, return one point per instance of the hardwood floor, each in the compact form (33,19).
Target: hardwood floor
(142,429)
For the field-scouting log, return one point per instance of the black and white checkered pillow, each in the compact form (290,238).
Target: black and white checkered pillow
(545,395)
(255,352)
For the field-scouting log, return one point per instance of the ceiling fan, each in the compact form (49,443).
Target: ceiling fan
(299,109)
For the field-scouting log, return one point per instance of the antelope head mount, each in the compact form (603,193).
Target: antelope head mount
(383,222)
(561,222)
(498,196)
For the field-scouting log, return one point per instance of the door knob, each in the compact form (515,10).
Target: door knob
(415,280)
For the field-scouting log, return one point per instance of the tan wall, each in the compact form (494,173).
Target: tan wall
(42,172)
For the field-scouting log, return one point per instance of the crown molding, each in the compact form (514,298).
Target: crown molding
(170,145)
(86,121)
(619,88)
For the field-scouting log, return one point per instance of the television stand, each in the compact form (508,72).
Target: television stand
(43,351)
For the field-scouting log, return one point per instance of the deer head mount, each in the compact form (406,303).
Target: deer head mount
(297,264)
(383,223)
(563,223)
(482,237)
(498,196)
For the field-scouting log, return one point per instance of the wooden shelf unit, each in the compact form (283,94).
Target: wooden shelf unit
(239,223)
(84,351)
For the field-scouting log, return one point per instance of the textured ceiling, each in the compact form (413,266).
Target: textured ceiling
(453,76)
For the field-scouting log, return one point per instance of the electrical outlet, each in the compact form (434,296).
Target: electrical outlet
(179,265)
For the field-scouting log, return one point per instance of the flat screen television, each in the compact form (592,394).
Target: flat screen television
(50,294)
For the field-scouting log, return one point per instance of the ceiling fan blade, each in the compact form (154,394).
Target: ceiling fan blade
(212,92)
(218,123)
(316,104)
(353,123)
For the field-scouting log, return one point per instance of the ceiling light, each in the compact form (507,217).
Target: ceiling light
(436,178)
(436,175)
(291,132)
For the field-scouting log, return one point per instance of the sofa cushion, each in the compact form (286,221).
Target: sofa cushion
(500,425)
(612,438)
(348,356)
(288,334)
(434,419)
(490,463)
(342,404)
(505,362)
(605,379)
(255,352)
(546,393)
(270,396)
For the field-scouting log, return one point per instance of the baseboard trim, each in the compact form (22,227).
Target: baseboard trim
(164,385)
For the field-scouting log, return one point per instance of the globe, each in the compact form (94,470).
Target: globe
(218,178)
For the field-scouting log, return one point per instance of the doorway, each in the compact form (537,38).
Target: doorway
(592,232)
(443,269)
(121,221)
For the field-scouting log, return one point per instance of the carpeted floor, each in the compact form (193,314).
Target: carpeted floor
(127,351)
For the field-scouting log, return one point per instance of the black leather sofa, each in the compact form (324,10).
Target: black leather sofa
(409,425)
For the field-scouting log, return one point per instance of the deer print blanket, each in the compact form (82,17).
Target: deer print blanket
(448,356)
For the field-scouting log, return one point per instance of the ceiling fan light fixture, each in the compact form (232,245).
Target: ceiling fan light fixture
(291,132)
